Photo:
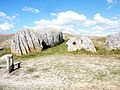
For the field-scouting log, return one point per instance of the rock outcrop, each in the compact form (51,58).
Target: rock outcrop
(26,41)
(82,42)
(113,41)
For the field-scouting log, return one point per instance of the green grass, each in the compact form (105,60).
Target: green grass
(5,51)
(62,50)
(56,50)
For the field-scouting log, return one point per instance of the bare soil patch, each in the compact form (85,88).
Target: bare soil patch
(63,72)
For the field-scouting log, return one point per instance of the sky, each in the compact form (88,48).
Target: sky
(86,17)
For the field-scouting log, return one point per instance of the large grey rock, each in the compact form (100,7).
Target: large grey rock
(82,42)
(113,41)
(26,41)
(50,37)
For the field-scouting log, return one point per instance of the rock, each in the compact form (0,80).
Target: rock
(113,41)
(50,37)
(26,41)
(87,44)
(82,42)
(5,57)
(74,44)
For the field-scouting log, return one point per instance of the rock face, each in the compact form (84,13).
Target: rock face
(113,41)
(83,42)
(26,41)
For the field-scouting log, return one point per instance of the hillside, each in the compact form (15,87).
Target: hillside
(5,40)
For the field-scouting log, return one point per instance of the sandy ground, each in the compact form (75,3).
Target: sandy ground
(63,72)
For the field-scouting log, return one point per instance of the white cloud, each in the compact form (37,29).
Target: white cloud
(109,1)
(109,7)
(74,22)
(42,22)
(65,21)
(63,18)
(53,14)
(30,9)
(106,23)
(17,14)
(68,17)
(5,26)
(98,28)
(99,19)
(3,15)
(6,21)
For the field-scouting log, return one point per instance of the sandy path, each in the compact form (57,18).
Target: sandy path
(64,73)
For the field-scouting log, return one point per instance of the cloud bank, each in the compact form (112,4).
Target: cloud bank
(73,22)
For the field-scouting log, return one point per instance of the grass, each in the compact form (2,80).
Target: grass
(30,69)
(100,75)
(5,51)
(56,50)
(62,49)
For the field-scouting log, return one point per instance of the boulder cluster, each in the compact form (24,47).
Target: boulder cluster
(26,41)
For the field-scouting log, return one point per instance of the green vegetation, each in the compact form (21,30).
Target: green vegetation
(62,49)
(5,51)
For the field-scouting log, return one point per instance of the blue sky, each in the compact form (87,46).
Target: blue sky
(90,17)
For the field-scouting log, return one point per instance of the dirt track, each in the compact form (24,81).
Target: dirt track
(64,73)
